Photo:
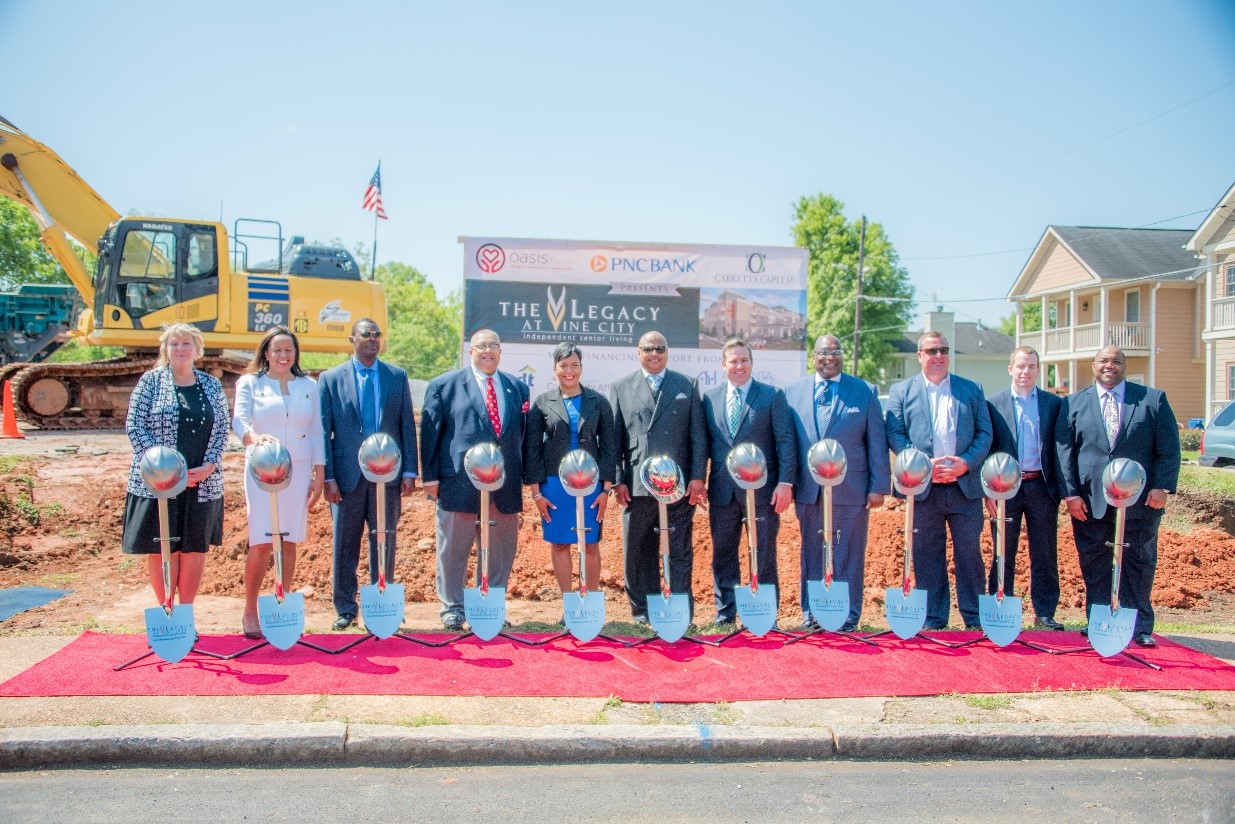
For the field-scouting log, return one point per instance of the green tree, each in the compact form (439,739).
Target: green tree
(1031,318)
(425,332)
(831,291)
(23,257)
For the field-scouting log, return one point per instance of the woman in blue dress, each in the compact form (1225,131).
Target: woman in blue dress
(569,416)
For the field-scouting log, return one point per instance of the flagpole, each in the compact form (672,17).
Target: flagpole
(373,262)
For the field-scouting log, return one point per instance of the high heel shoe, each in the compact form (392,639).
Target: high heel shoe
(252,632)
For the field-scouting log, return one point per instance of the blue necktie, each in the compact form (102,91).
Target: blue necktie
(368,402)
(823,406)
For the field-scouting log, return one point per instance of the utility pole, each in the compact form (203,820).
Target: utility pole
(857,309)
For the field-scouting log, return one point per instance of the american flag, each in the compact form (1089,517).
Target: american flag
(373,194)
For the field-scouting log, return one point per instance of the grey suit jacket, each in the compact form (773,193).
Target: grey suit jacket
(765,422)
(1148,434)
(857,425)
(1003,422)
(671,424)
(342,428)
(908,422)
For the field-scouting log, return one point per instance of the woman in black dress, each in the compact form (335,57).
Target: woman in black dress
(178,406)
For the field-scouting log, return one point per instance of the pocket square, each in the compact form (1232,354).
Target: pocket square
(679,395)
(526,407)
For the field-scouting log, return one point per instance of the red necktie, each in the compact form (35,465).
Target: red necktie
(491,405)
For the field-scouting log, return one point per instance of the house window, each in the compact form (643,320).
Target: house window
(1229,287)
(1230,382)
(1132,307)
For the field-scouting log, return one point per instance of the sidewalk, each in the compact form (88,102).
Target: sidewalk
(179,731)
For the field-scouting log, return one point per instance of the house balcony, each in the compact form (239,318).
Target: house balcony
(1087,339)
(1223,319)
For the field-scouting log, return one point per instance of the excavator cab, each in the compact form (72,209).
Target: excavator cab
(153,272)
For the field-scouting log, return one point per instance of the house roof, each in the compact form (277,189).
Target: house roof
(970,339)
(1112,253)
(1213,221)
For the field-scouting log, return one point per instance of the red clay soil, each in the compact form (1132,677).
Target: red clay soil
(76,544)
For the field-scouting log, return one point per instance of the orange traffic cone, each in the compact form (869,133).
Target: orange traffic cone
(10,429)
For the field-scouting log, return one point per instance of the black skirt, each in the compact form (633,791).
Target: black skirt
(198,524)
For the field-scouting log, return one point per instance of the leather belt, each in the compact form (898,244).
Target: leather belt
(1029,476)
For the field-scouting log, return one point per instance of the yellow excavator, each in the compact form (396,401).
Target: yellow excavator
(154,271)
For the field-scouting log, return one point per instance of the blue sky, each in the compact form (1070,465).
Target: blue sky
(965,128)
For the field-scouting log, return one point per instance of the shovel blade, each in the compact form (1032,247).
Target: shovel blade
(170,636)
(1000,622)
(906,614)
(670,617)
(486,614)
(756,609)
(585,617)
(828,605)
(382,611)
(1109,634)
(282,624)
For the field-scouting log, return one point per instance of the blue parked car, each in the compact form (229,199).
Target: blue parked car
(1218,441)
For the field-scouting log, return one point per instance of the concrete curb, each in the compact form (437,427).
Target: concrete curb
(335,743)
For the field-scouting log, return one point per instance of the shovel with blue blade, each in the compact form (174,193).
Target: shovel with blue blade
(584,610)
(281,616)
(1110,627)
(1000,614)
(485,606)
(827,598)
(757,605)
(169,629)
(669,612)
(381,604)
(905,607)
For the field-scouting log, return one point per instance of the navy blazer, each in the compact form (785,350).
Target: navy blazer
(454,420)
(765,422)
(342,427)
(908,422)
(1148,434)
(548,435)
(1003,421)
(857,425)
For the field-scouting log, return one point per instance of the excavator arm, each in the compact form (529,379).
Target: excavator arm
(60,201)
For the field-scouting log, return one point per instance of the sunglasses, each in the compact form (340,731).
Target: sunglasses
(660,350)
(938,350)
(367,334)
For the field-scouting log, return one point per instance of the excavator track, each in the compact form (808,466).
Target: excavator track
(93,395)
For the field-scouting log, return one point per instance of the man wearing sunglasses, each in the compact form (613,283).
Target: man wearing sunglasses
(657,412)
(360,397)
(945,416)
(831,404)
(465,407)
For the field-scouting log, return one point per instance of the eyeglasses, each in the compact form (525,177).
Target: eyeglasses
(660,350)
(938,350)
(487,347)
(369,334)
(829,353)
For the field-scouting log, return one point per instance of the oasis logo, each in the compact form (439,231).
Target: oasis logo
(490,258)
(755,262)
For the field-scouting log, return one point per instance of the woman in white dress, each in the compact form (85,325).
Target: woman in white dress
(276,400)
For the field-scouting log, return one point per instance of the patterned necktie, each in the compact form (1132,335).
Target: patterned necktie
(735,411)
(368,402)
(1110,416)
(491,405)
(823,406)
(654,383)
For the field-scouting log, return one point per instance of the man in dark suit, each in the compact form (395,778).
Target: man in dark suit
(1117,419)
(743,410)
(1024,420)
(830,404)
(656,411)
(360,397)
(945,416)
(463,408)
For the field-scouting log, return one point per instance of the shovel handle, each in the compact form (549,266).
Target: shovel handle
(483,566)
(165,551)
(664,547)
(1117,557)
(1001,540)
(752,538)
(908,543)
(581,532)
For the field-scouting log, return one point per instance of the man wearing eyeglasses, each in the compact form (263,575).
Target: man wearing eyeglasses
(360,397)
(463,408)
(657,412)
(844,408)
(945,416)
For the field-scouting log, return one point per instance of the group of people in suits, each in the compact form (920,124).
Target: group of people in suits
(1062,447)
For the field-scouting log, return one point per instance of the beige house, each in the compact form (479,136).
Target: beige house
(1214,244)
(1139,289)
(979,352)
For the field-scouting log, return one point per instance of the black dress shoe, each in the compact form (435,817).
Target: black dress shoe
(640,618)
(343,622)
(847,627)
(1048,623)
(1144,639)
(452,621)
(1085,631)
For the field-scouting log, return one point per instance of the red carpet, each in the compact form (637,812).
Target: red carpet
(744,668)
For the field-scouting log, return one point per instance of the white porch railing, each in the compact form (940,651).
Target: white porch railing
(1092,336)
(1057,341)
(1128,335)
(1089,336)
(1224,313)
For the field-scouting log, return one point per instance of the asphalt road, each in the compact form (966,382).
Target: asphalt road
(1065,791)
